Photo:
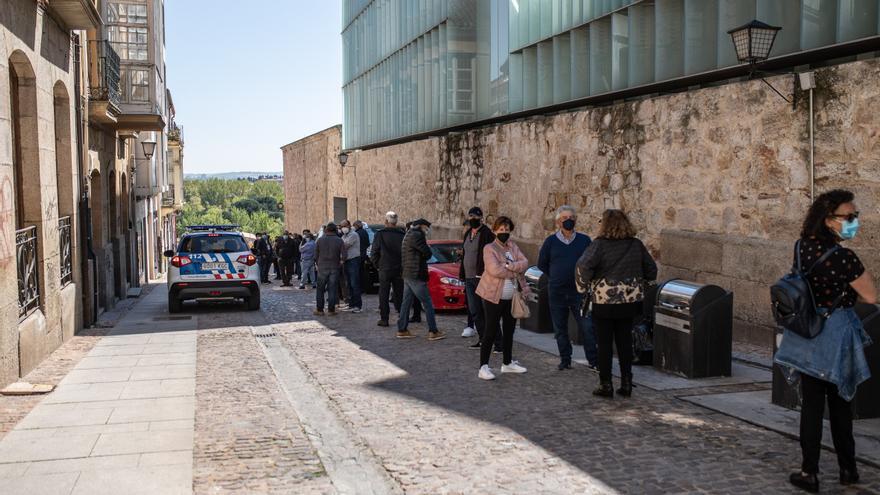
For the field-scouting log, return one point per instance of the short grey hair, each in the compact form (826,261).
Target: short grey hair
(391,218)
(562,209)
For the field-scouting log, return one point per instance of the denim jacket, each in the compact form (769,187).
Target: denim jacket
(836,355)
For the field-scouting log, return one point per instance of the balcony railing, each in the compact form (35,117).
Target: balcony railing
(66,258)
(26,260)
(104,84)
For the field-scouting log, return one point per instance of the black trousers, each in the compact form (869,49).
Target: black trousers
(498,320)
(389,281)
(616,331)
(286,265)
(814,392)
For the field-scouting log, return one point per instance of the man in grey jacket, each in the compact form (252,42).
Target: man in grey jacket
(329,256)
(352,242)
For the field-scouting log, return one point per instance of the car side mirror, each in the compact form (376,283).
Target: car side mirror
(168,253)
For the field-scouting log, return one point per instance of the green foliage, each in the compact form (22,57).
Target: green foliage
(253,205)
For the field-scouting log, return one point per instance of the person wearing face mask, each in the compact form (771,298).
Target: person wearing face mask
(832,364)
(264,254)
(352,266)
(285,248)
(557,259)
(477,237)
(504,265)
(415,254)
(307,259)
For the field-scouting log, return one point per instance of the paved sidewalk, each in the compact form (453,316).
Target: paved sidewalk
(120,422)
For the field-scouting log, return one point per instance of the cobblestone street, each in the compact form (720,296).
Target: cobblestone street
(286,403)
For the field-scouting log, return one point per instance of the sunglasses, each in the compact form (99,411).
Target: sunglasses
(849,218)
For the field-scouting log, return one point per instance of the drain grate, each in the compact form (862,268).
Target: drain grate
(171,318)
(265,335)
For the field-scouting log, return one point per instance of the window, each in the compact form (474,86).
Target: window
(129,42)
(126,13)
(213,243)
(140,85)
(462,84)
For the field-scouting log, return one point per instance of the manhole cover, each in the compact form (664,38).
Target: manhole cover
(171,318)
(265,335)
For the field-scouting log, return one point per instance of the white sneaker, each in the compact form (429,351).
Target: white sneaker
(513,367)
(355,310)
(486,373)
(468,332)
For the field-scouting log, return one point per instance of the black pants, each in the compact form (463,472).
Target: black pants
(814,392)
(265,266)
(498,320)
(616,331)
(286,265)
(389,281)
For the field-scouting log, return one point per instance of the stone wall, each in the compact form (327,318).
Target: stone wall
(716,179)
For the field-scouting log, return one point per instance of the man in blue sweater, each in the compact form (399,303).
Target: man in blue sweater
(558,259)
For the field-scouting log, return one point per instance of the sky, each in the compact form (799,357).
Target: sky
(250,77)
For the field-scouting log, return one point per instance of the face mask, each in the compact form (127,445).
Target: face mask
(568,224)
(286,237)
(345,230)
(503,237)
(848,230)
(474,222)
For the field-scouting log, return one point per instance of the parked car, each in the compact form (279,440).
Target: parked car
(212,263)
(446,289)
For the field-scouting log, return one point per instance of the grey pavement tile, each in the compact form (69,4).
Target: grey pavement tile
(85,392)
(179,457)
(44,484)
(177,424)
(164,409)
(101,362)
(143,442)
(84,464)
(164,480)
(47,448)
(159,388)
(94,429)
(163,372)
(178,338)
(13,470)
(97,376)
(167,359)
(62,415)
(117,350)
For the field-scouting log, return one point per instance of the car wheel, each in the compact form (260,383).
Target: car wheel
(174,304)
(253,302)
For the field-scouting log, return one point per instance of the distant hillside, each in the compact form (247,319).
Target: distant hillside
(232,175)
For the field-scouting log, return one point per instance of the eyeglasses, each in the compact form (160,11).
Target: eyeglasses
(849,218)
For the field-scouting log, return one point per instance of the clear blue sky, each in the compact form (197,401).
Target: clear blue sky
(250,77)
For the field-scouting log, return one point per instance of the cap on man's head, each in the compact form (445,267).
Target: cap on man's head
(476,211)
(331,227)
(421,221)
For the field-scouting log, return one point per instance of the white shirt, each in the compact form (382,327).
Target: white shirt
(561,237)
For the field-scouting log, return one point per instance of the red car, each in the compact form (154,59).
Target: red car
(447,290)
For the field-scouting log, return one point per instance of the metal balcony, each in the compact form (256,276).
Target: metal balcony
(26,261)
(66,255)
(104,81)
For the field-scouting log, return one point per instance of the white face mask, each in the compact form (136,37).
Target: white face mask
(345,230)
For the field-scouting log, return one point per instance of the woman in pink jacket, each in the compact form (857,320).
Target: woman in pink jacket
(502,277)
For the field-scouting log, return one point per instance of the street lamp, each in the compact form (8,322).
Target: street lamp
(149,147)
(343,157)
(753,42)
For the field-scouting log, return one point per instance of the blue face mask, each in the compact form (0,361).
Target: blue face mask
(848,230)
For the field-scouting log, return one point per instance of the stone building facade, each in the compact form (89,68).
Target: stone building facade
(716,179)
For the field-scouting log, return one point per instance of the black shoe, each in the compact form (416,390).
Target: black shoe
(626,387)
(477,346)
(382,323)
(849,477)
(808,482)
(605,389)
(415,320)
(565,365)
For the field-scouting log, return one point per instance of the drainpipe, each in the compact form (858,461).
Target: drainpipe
(812,149)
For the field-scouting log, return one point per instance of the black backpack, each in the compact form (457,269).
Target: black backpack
(794,306)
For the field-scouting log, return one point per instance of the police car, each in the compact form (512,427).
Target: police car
(213,263)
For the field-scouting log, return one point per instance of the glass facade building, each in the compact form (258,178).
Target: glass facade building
(418,66)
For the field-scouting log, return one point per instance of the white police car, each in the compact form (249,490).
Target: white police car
(213,263)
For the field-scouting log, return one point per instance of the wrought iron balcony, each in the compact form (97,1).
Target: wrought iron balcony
(66,257)
(104,81)
(26,261)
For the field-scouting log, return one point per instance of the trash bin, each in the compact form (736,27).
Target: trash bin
(539,306)
(693,329)
(866,403)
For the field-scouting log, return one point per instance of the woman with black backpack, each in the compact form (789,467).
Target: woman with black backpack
(614,271)
(832,363)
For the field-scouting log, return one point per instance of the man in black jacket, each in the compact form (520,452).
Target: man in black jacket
(264,253)
(286,248)
(471,269)
(386,257)
(415,254)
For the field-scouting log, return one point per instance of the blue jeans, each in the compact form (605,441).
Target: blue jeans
(475,306)
(353,276)
(413,288)
(328,280)
(309,276)
(563,302)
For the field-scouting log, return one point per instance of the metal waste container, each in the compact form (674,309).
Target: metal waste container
(693,329)
(539,306)
(866,403)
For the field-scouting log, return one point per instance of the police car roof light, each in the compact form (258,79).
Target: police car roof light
(212,227)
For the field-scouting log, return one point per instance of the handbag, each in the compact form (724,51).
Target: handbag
(518,307)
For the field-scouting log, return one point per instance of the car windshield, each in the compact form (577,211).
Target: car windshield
(213,243)
(445,253)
